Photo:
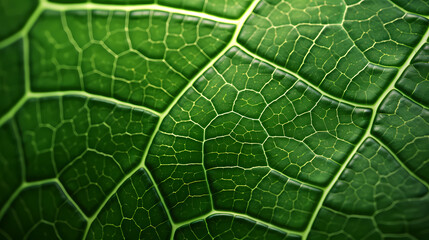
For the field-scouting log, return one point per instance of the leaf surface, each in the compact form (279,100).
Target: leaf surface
(214,119)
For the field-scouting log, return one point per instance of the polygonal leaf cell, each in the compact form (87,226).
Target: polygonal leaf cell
(141,57)
(416,6)
(415,79)
(240,134)
(227,226)
(89,144)
(175,159)
(382,31)
(133,212)
(264,194)
(42,212)
(404,127)
(344,57)
(374,198)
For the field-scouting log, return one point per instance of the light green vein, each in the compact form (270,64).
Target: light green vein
(367,132)
(30,95)
(24,30)
(25,185)
(213,212)
(98,6)
(162,116)
(399,161)
(243,48)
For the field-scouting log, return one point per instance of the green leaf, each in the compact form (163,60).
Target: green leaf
(214,119)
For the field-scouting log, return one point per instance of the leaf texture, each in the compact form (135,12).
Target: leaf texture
(214,119)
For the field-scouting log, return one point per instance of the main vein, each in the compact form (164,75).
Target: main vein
(239,25)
